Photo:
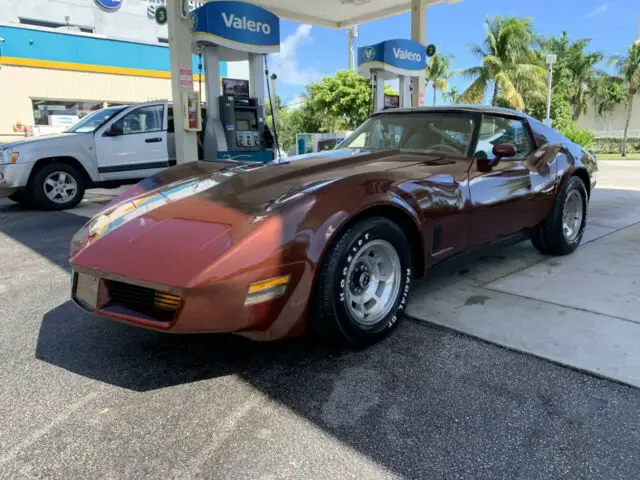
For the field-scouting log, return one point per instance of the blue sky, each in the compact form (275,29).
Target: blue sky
(309,52)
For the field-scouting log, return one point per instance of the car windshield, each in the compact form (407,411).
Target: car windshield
(94,120)
(437,132)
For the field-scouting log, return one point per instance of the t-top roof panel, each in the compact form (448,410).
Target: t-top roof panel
(339,13)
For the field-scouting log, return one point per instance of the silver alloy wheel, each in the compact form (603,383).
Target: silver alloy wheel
(374,278)
(572,215)
(60,187)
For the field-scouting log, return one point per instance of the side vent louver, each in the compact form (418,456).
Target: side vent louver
(436,246)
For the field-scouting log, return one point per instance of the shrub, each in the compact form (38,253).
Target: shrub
(582,137)
(614,145)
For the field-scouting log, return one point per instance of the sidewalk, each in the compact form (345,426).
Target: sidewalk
(582,310)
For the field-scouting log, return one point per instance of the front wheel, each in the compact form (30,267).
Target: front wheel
(363,284)
(562,231)
(57,186)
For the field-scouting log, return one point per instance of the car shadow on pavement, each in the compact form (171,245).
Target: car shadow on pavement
(142,360)
(425,403)
(42,232)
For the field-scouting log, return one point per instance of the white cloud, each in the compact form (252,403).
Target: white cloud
(598,10)
(285,63)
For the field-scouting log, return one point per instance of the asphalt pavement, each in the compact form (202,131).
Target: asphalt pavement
(87,398)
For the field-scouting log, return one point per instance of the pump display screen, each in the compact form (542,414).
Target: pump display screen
(391,101)
(242,125)
(235,88)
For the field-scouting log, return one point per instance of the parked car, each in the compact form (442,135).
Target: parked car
(107,148)
(330,244)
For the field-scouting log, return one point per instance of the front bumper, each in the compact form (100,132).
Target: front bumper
(213,308)
(13,177)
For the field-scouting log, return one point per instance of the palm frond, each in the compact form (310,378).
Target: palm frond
(475,93)
(473,72)
(509,91)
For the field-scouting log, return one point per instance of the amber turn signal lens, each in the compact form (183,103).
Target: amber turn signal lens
(166,301)
(266,290)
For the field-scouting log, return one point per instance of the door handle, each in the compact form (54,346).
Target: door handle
(153,140)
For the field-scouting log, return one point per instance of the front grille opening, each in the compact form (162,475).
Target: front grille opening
(145,302)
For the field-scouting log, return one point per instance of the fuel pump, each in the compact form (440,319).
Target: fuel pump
(242,117)
(235,126)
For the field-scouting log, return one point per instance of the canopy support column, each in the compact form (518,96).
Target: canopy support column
(180,54)
(418,34)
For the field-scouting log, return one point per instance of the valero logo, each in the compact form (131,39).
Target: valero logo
(368,53)
(109,4)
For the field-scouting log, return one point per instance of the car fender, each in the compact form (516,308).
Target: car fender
(78,147)
(329,212)
(576,162)
(308,226)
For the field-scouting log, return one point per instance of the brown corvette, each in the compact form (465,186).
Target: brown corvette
(329,243)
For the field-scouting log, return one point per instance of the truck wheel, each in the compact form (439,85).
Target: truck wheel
(363,284)
(562,231)
(57,186)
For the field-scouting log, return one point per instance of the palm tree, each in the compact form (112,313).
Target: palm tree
(607,91)
(452,95)
(438,74)
(582,67)
(629,68)
(510,65)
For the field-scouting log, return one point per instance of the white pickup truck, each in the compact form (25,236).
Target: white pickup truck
(108,148)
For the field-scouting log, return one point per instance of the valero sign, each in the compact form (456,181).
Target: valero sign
(238,25)
(109,4)
(401,57)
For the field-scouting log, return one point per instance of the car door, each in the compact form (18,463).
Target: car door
(134,144)
(440,143)
(500,190)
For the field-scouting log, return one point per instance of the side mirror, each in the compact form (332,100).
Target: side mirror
(114,131)
(504,150)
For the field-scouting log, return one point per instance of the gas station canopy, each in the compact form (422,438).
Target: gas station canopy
(339,13)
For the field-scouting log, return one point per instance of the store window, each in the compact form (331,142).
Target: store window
(61,112)
(55,25)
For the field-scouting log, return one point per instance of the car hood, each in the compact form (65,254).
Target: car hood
(251,188)
(36,140)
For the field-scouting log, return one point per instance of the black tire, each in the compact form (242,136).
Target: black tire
(22,197)
(37,187)
(330,320)
(549,238)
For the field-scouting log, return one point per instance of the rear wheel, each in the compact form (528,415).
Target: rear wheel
(57,186)
(363,284)
(562,231)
